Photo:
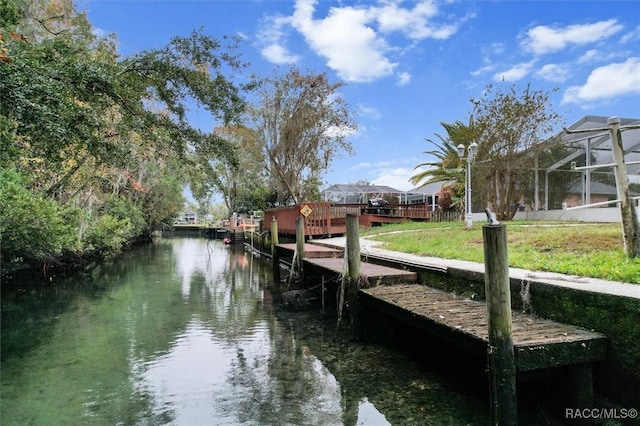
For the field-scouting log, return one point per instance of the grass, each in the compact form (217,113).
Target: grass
(576,248)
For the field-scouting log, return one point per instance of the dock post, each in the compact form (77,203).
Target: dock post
(275,258)
(300,243)
(354,274)
(502,369)
(353,247)
(630,226)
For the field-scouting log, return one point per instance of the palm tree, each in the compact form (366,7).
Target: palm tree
(447,166)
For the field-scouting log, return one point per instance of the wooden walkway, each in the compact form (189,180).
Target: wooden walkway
(312,251)
(323,260)
(375,274)
(538,343)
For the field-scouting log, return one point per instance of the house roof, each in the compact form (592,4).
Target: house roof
(428,189)
(350,188)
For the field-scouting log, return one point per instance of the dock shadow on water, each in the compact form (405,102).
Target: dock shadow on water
(186,332)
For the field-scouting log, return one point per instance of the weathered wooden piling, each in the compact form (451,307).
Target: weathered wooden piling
(354,268)
(502,368)
(275,257)
(300,252)
(630,225)
(354,273)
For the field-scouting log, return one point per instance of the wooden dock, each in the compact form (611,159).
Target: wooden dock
(538,343)
(375,274)
(323,260)
(312,251)
(390,300)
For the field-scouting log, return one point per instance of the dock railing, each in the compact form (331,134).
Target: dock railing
(325,218)
(321,219)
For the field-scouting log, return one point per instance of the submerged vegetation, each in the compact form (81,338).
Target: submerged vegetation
(583,249)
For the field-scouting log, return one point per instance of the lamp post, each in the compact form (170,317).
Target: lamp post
(472,150)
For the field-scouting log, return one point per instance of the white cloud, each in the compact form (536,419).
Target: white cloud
(606,82)
(350,46)
(631,35)
(397,177)
(278,54)
(270,38)
(414,23)
(393,172)
(495,49)
(514,73)
(590,55)
(343,132)
(556,73)
(99,32)
(367,111)
(543,39)
(593,55)
(483,70)
(403,79)
(361,165)
(353,39)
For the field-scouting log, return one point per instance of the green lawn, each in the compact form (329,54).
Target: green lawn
(575,248)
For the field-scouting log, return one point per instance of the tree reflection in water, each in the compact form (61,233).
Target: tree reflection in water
(184,332)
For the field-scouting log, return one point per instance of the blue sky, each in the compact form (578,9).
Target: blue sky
(409,65)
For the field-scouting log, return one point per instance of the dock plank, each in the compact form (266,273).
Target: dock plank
(312,250)
(538,343)
(375,274)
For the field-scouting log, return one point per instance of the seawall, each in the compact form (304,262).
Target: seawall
(611,308)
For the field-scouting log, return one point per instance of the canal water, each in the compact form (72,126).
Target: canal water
(186,332)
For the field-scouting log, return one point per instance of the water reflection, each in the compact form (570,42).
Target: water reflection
(184,332)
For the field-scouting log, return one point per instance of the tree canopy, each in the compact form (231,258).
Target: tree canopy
(303,124)
(106,137)
(512,127)
(244,185)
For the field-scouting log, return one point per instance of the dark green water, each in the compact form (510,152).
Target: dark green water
(184,332)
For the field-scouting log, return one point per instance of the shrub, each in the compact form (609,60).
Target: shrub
(123,208)
(31,226)
(107,234)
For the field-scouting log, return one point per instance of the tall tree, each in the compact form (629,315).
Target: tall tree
(513,127)
(86,128)
(303,123)
(243,185)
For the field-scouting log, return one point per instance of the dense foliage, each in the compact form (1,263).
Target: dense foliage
(515,125)
(514,131)
(95,149)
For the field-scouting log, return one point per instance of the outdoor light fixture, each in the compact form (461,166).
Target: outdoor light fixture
(472,150)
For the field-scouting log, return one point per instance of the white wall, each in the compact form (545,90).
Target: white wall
(602,214)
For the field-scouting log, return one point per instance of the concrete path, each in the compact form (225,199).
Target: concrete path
(370,247)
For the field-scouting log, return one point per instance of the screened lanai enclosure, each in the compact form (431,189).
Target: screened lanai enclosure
(576,169)
(580,171)
(360,194)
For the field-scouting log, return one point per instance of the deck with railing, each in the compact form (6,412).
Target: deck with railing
(325,219)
